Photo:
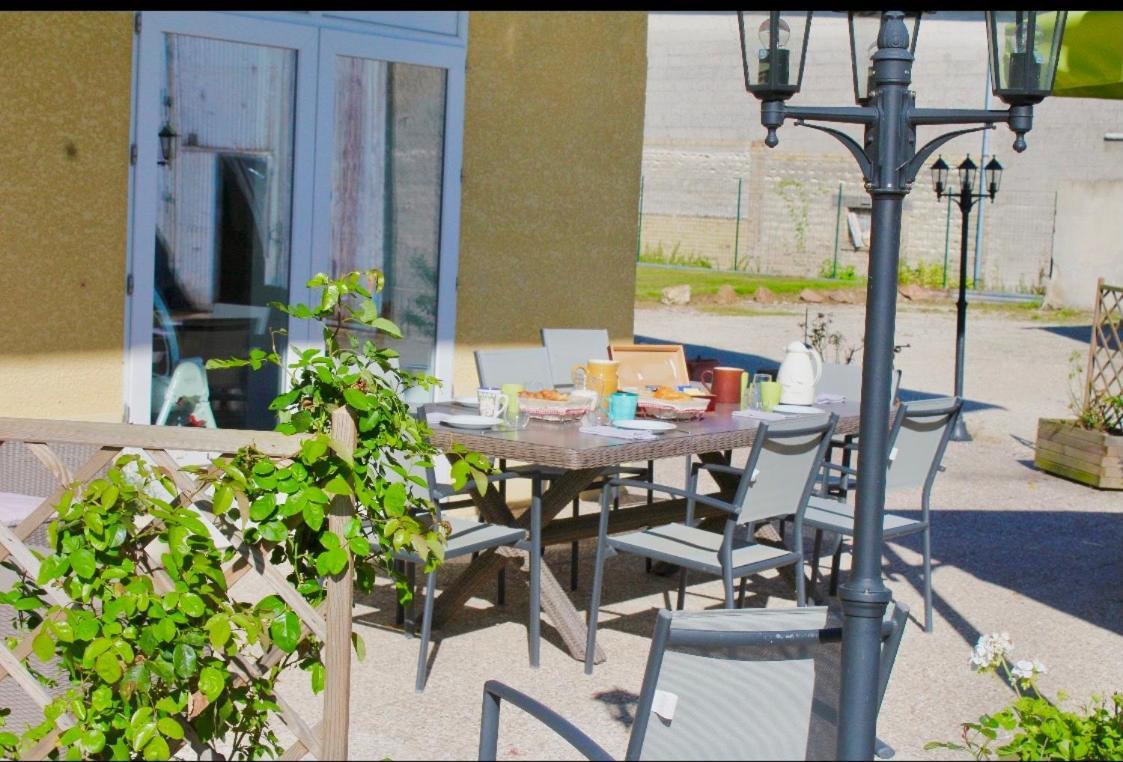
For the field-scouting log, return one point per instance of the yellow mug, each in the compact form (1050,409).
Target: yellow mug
(602,376)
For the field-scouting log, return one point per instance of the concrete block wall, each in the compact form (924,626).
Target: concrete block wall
(702,133)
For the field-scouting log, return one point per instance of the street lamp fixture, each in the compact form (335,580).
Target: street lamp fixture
(965,197)
(1024,46)
(167,144)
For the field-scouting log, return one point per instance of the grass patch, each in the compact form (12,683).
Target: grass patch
(652,279)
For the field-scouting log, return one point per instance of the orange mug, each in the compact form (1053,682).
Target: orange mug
(724,383)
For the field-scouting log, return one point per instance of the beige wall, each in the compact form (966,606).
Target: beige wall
(64,162)
(552,150)
(553,141)
(1087,242)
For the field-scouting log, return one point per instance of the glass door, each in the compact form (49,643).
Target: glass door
(384,116)
(220,130)
(270,147)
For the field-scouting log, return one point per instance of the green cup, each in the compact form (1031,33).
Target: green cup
(511,392)
(770,394)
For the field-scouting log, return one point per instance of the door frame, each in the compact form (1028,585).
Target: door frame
(309,35)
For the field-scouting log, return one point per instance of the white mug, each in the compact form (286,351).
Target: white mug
(493,402)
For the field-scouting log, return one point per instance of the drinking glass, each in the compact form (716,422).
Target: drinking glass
(756,401)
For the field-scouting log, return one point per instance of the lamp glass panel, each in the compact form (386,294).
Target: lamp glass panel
(774,62)
(1024,49)
(940,175)
(968,171)
(993,174)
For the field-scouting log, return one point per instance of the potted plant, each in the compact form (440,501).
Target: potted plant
(1089,447)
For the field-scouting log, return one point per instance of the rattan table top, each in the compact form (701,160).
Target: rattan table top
(562,445)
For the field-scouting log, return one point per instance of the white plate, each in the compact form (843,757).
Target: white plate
(644,424)
(798,409)
(467,401)
(472,421)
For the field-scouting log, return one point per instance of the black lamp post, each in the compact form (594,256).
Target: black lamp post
(965,197)
(1024,64)
(167,144)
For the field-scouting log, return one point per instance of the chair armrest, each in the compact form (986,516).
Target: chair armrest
(495,692)
(719,468)
(703,499)
(441,491)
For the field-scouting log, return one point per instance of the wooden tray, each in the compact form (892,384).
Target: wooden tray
(644,365)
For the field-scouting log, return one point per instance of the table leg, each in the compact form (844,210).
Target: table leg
(555,603)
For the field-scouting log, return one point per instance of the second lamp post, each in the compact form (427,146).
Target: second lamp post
(965,197)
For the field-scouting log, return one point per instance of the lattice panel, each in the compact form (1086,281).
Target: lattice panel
(1105,353)
(321,741)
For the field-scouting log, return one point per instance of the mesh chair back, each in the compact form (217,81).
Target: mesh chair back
(569,347)
(529,367)
(786,459)
(746,684)
(921,431)
(841,379)
(846,379)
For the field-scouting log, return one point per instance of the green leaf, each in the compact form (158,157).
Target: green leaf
(359,645)
(314,515)
(395,498)
(43,646)
(83,563)
(330,541)
(108,667)
(192,605)
(223,498)
(101,698)
(274,531)
(219,628)
(358,399)
(211,682)
(386,326)
(109,497)
(92,741)
(263,507)
(359,546)
(337,485)
(170,727)
(285,631)
(331,562)
(312,450)
(184,660)
(317,671)
(157,748)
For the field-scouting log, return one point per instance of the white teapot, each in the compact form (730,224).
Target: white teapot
(799,373)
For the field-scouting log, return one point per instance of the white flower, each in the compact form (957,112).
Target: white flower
(991,650)
(1023,670)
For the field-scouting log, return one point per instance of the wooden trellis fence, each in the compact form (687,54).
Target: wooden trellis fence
(1105,353)
(331,623)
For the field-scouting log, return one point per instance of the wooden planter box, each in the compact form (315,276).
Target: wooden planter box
(1090,457)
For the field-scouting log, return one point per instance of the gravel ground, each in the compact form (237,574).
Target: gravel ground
(1014,550)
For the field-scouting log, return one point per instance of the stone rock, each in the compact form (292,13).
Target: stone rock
(913,292)
(726,295)
(764,295)
(841,296)
(810,295)
(676,295)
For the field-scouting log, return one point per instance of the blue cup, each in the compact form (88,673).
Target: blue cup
(622,406)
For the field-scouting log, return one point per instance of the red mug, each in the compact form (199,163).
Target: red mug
(725,383)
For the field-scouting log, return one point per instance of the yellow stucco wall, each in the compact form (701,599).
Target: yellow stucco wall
(553,140)
(64,161)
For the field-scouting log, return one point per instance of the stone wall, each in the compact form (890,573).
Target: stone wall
(702,135)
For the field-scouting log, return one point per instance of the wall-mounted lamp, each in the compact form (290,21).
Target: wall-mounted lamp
(167,144)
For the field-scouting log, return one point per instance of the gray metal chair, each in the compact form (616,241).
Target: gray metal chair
(467,536)
(726,684)
(917,442)
(570,347)
(776,481)
(527,366)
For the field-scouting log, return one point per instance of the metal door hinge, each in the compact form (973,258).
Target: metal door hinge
(136,22)
(129,284)
(132,154)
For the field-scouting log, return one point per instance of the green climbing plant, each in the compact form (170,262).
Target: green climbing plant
(147,638)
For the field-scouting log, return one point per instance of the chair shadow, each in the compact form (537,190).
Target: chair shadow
(621,703)
(1081,333)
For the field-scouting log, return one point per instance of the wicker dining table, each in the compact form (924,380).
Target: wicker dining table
(580,459)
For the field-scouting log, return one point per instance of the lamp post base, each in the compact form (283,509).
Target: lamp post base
(959,430)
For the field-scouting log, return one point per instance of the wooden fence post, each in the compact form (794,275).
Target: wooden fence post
(337,612)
